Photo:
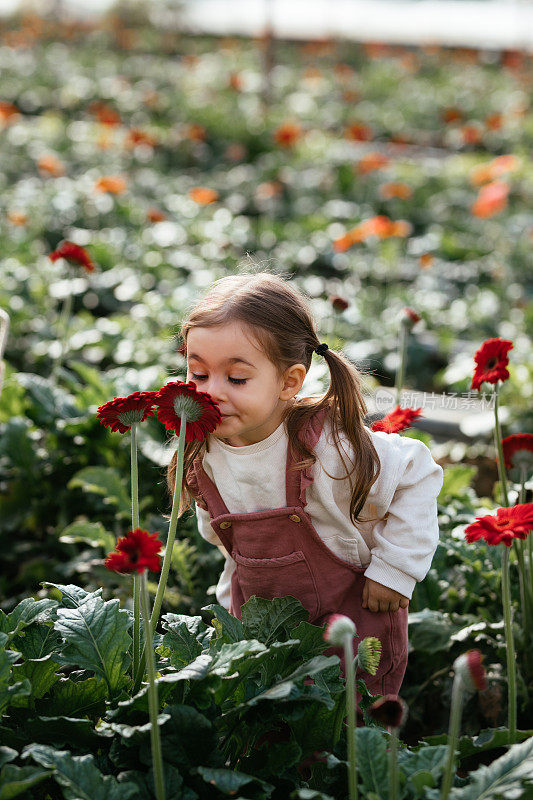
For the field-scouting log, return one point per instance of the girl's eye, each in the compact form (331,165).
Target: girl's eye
(203,377)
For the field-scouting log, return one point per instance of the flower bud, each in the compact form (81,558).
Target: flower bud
(339,626)
(389,711)
(369,654)
(410,317)
(470,669)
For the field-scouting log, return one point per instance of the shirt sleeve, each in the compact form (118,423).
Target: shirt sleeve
(403,544)
(205,529)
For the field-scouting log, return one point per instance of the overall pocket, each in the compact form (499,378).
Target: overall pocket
(279,577)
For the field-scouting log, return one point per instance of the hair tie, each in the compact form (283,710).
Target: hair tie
(321,349)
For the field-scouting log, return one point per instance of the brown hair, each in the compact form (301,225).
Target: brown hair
(280,320)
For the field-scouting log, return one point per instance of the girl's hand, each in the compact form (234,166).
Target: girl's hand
(377,597)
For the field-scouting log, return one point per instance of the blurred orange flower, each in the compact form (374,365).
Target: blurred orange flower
(494,122)
(359,132)
(203,196)
(380,226)
(105,114)
(401,190)
(17,218)
(137,136)
(492,199)
(483,173)
(155,215)
(195,132)
(450,115)
(235,81)
(471,133)
(113,184)
(426,260)
(287,134)
(268,189)
(51,164)
(8,112)
(372,162)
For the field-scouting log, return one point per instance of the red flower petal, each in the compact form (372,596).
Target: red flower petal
(491,362)
(470,668)
(397,420)
(73,252)
(135,552)
(510,523)
(203,414)
(120,413)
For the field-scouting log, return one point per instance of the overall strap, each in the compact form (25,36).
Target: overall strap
(297,481)
(204,491)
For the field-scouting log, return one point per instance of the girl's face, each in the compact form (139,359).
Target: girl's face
(227,363)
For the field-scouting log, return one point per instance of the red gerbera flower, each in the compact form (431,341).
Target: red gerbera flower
(470,668)
(73,252)
(491,362)
(137,551)
(397,420)
(339,303)
(518,450)
(510,523)
(202,413)
(121,413)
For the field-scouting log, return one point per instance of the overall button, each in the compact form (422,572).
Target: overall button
(225,524)
(294,517)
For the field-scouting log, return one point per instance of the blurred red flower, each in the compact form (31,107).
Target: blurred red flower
(287,134)
(510,523)
(397,420)
(203,196)
(372,162)
(113,184)
(516,449)
(121,413)
(202,413)
(491,362)
(73,252)
(135,552)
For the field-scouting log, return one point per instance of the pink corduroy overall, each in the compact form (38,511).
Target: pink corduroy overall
(278,553)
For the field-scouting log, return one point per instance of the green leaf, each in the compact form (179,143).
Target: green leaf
(50,402)
(26,612)
(268,620)
(16,445)
(230,781)
(231,628)
(505,778)
(78,775)
(7,754)
(92,533)
(41,674)
(184,638)
(16,780)
(75,698)
(105,481)
(72,596)
(431,631)
(487,739)
(456,479)
(97,639)
(309,794)
(10,693)
(37,641)
(372,766)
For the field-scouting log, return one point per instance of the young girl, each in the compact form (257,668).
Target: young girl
(298,494)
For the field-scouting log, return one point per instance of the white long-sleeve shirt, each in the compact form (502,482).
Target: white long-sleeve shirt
(396,551)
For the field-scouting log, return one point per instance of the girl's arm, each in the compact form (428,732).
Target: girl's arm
(404,543)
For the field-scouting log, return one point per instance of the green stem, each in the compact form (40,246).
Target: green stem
(135,525)
(507,617)
(402,347)
(453,735)
(350,709)
(63,332)
(162,585)
(153,701)
(168,549)
(393,765)
(499,448)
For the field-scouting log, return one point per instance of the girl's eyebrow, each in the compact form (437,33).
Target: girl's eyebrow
(233,360)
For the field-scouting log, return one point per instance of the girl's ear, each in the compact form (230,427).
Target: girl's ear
(292,381)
